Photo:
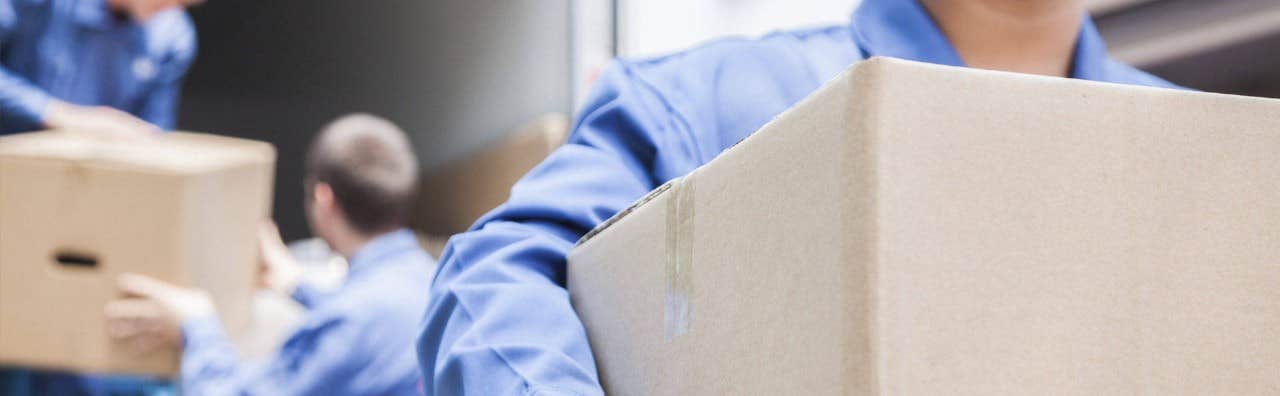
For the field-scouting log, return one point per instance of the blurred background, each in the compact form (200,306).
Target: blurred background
(462,76)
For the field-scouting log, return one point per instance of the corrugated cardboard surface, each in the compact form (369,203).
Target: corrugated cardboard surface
(920,229)
(183,208)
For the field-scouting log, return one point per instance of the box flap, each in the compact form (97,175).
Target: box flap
(623,213)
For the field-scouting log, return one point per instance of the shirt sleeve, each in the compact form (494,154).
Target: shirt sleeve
(21,101)
(500,320)
(307,295)
(320,358)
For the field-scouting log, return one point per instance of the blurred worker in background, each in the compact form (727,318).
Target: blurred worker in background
(115,66)
(110,66)
(500,320)
(357,340)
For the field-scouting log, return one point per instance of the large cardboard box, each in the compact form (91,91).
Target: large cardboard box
(913,229)
(452,197)
(75,212)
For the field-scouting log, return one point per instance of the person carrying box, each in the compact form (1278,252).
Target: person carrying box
(361,176)
(109,65)
(112,66)
(500,320)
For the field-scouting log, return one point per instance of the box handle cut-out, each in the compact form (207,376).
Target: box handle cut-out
(73,259)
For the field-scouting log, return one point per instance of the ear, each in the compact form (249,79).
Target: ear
(322,197)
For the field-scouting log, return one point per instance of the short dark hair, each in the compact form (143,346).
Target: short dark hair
(370,166)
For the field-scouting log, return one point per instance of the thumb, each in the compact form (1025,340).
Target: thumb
(135,285)
(271,247)
(269,235)
(267,228)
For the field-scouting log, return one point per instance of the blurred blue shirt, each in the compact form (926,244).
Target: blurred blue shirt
(78,51)
(500,321)
(357,340)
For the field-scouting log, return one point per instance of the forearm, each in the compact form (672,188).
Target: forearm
(511,271)
(208,358)
(21,101)
(320,357)
(307,295)
(469,342)
(161,106)
(500,318)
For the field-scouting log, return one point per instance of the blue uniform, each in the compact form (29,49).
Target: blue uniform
(500,321)
(357,340)
(79,52)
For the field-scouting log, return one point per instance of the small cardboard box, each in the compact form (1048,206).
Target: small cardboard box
(457,194)
(77,211)
(914,229)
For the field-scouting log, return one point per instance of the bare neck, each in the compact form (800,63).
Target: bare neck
(1025,36)
(348,243)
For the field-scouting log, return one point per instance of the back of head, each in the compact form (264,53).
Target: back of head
(371,168)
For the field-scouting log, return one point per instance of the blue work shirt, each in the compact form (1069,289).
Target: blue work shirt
(79,52)
(357,340)
(500,320)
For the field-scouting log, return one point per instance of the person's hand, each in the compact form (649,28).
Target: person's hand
(152,312)
(277,270)
(142,326)
(104,120)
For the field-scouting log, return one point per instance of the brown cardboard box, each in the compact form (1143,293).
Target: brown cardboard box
(912,229)
(75,212)
(456,195)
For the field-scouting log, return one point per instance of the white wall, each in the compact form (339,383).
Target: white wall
(654,27)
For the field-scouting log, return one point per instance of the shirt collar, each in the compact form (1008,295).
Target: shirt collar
(903,29)
(379,249)
(1091,53)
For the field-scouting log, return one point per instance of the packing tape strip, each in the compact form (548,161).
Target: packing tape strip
(678,305)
